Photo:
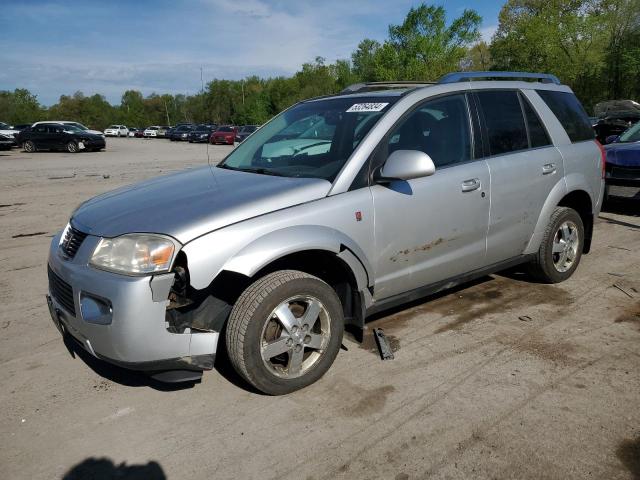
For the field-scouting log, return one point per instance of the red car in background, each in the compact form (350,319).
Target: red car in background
(225,135)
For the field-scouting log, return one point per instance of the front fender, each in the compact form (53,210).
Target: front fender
(255,254)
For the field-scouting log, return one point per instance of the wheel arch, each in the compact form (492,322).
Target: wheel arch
(577,198)
(320,251)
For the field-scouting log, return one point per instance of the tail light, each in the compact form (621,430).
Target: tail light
(603,157)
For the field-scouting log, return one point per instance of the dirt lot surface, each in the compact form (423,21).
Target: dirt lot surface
(499,379)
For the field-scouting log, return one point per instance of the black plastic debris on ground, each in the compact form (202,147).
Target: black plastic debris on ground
(384,347)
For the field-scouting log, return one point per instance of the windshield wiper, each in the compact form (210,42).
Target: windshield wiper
(260,171)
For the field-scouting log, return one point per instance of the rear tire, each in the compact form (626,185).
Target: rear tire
(561,248)
(285,331)
(29,146)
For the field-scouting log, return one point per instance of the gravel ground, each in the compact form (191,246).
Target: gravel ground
(499,379)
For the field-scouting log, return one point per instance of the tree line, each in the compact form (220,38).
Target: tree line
(591,45)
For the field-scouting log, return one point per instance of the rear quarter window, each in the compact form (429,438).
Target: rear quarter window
(566,107)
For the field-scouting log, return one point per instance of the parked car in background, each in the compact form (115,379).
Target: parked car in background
(6,142)
(622,173)
(614,117)
(163,131)
(151,132)
(201,133)
(73,124)
(7,130)
(245,131)
(54,136)
(116,131)
(180,133)
(225,135)
(419,188)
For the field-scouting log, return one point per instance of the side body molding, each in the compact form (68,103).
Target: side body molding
(223,251)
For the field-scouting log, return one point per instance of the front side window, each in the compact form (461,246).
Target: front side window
(312,139)
(440,128)
(566,107)
(504,122)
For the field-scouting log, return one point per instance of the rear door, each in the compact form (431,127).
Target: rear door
(524,167)
(432,228)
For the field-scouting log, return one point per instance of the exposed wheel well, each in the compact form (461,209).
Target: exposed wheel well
(329,268)
(228,286)
(580,201)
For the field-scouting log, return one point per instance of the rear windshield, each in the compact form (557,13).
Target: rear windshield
(570,113)
(225,129)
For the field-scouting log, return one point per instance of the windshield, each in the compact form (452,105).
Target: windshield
(4,126)
(312,139)
(114,127)
(249,129)
(225,129)
(77,125)
(631,135)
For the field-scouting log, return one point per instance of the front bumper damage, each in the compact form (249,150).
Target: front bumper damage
(123,320)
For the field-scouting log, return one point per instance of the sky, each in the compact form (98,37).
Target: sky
(55,47)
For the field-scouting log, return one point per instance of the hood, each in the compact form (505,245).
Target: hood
(623,154)
(189,204)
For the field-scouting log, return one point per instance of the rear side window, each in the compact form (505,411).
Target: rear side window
(566,107)
(538,136)
(505,125)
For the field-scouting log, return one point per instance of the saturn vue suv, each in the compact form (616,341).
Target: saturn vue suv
(338,208)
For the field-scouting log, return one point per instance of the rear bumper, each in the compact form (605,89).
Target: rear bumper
(135,335)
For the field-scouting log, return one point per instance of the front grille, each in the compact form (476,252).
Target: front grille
(625,172)
(61,291)
(72,241)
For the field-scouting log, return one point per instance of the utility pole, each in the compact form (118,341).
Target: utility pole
(166,111)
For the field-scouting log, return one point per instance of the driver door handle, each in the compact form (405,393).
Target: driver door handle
(471,185)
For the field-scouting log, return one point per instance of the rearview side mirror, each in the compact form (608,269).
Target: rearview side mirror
(406,165)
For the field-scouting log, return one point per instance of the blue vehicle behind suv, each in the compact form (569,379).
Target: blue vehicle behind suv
(622,174)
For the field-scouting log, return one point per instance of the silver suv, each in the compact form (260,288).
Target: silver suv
(339,207)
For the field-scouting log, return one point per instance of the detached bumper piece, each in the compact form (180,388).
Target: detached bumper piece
(384,347)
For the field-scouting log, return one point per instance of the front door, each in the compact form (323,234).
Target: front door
(432,228)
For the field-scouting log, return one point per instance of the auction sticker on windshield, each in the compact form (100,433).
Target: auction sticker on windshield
(367,107)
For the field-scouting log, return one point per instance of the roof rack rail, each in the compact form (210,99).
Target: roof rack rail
(469,76)
(372,86)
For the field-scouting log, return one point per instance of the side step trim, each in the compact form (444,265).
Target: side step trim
(427,290)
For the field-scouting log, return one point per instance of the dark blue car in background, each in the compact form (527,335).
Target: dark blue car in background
(622,175)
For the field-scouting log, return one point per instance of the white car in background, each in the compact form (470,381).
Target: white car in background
(151,131)
(116,131)
(6,130)
(74,124)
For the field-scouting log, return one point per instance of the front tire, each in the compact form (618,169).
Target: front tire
(29,146)
(561,248)
(72,147)
(285,331)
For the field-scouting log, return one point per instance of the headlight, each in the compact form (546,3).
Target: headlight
(135,254)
